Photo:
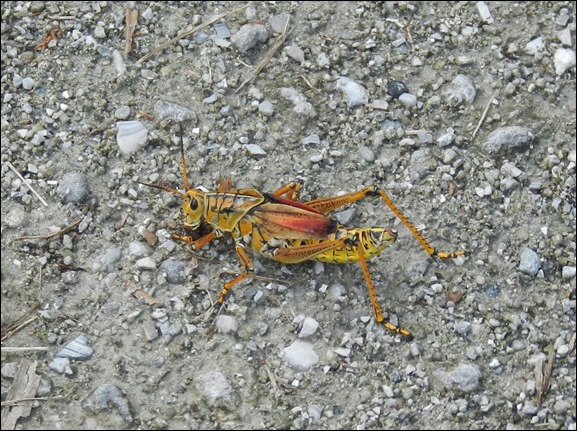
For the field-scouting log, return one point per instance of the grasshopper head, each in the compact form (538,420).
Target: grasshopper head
(193,207)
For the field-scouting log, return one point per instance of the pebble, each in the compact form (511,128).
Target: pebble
(295,52)
(123,112)
(396,88)
(266,108)
(137,248)
(119,64)
(146,263)
(344,217)
(164,110)
(255,150)
(131,136)
(564,59)
(278,22)
(311,139)
(301,105)
(149,329)
(367,154)
(174,271)
(355,93)
(61,366)
(73,188)
(109,258)
(535,46)
(568,272)
(226,324)
(408,99)
(248,36)
(79,349)
(214,386)
(529,262)
(300,355)
(309,327)
(446,139)
(484,12)
(106,395)
(336,293)
(508,138)
(27,83)
(460,90)
(466,377)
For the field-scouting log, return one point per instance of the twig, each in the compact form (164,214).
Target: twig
(269,54)
(51,235)
(21,400)
(20,323)
(24,349)
(188,33)
(131,21)
(11,166)
(484,114)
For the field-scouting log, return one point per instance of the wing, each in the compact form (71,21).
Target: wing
(287,221)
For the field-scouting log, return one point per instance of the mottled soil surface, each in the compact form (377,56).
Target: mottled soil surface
(479,153)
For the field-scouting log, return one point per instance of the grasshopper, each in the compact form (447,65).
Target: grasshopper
(277,226)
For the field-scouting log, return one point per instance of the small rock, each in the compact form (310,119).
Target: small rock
(508,138)
(109,258)
(466,377)
(255,150)
(396,88)
(106,395)
(248,36)
(564,59)
(309,327)
(529,262)
(295,52)
(27,83)
(226,324)
(61,366)
(266,108)
(408,99)
(175,271)
(460,90)
(568,272)
(300,355)
(355,93)
(146,263)
(214,385)
(164,110)
(73,188)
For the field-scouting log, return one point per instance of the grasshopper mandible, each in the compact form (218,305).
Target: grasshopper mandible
(279,227)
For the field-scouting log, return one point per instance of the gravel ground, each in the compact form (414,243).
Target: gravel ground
(464,112)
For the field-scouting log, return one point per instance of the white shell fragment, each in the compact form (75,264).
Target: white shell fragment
(79,349)
(356,93)
(131,136)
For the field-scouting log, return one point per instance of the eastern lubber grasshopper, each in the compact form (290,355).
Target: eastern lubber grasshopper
(279,227)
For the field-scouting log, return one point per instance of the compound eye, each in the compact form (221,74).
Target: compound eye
(193,204)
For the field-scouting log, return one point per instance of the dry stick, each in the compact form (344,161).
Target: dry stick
(188,33)
(269,54)
(484,114)
(20,323)
(21,400)
(11,166)
(131,21)
(51,235)
(24,349)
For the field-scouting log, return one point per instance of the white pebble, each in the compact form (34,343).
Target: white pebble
(131,136)
(355,93)
(564,59)
(300,355)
